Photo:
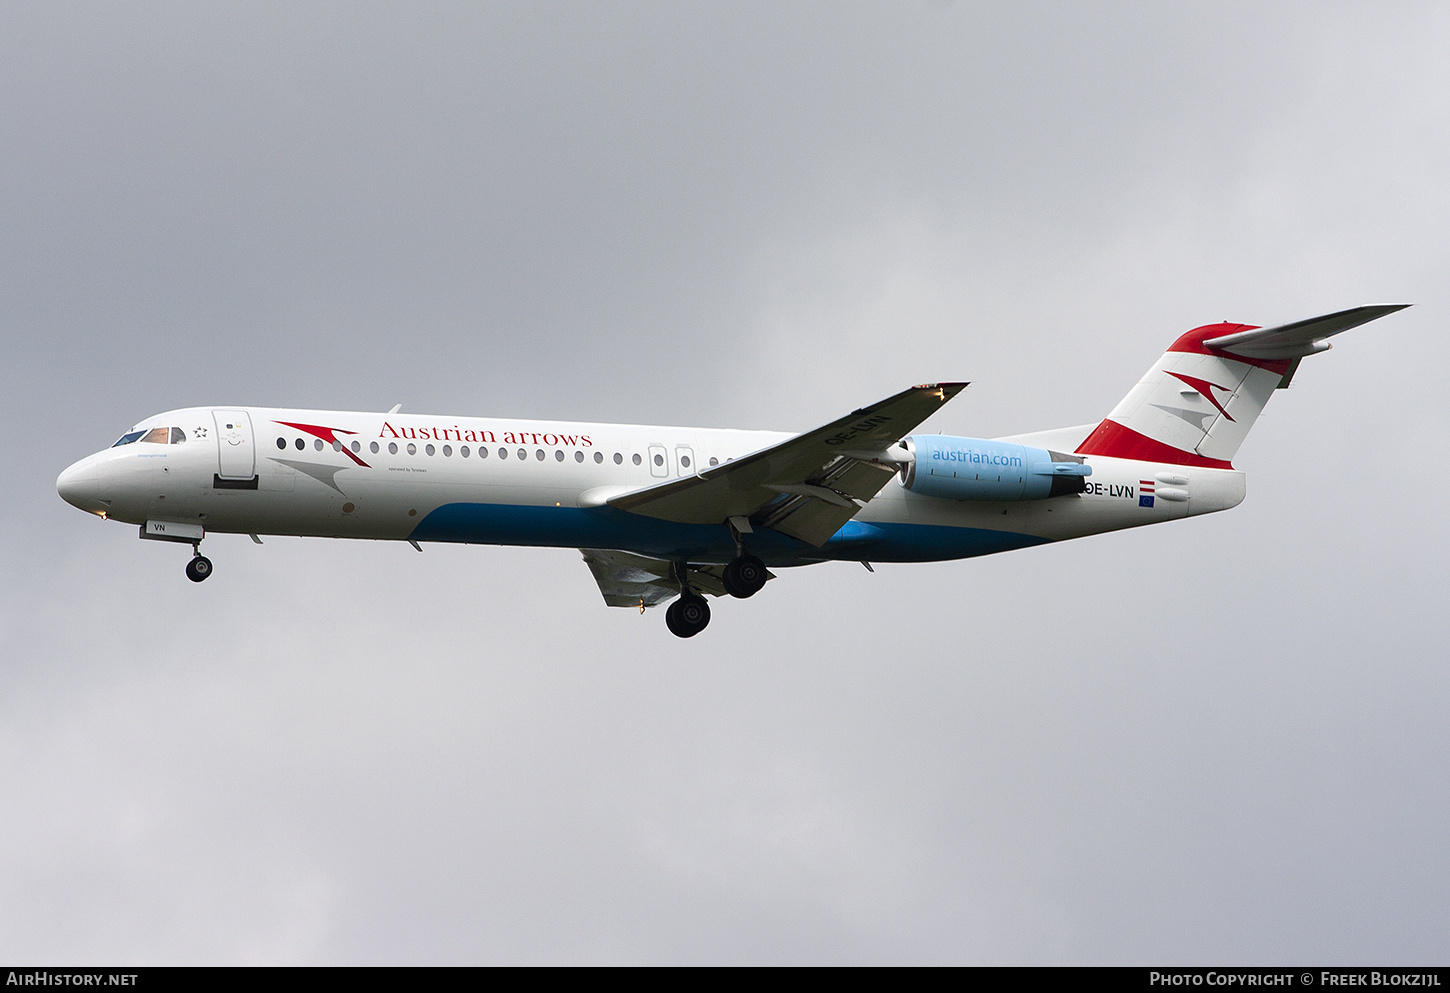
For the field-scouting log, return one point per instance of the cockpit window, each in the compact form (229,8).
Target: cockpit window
(126,439)
(158,436)
(177,436)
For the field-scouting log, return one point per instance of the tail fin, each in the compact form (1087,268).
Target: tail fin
(1197,403)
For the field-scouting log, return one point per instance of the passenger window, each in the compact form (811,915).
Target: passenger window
(317,444)
(523,454)
(337,446)
(558,455)
(158,436)
(598,456)
(540,454)
(714,460)
(412,448)
(447,451)
(282,443)
(128,438)
(373,448)
(503,453)
(463,450)
(618,459)
(685,461)
(178,436)
(659,460)
(356,448)
(578,456)
(392,448)
(637,459)
(429,449)
(483,452)
(301,444)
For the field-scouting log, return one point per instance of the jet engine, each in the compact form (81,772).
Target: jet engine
(979,469)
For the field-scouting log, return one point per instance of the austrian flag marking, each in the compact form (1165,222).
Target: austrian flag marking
(1145,492)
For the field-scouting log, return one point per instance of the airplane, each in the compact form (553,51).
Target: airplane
(674,515)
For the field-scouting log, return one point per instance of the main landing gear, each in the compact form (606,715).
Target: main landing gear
(688,615)
(745,576)
(199,567)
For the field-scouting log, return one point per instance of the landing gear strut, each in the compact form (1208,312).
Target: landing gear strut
(199,567)
(746,575)
(688,615)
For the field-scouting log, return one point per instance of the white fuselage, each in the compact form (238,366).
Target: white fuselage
(498,481)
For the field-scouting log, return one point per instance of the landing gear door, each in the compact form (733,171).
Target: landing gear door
(236,451)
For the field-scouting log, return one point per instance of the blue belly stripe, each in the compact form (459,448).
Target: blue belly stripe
(606,527)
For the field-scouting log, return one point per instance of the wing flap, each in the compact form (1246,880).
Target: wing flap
(812,521)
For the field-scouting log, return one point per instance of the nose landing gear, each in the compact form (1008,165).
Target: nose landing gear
(199,567)
(179,531)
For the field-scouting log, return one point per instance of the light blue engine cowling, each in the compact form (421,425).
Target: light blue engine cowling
(979,469)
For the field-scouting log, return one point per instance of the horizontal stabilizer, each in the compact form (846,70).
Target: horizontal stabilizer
(1298,338)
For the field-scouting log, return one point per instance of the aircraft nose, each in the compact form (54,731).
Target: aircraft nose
(80,486)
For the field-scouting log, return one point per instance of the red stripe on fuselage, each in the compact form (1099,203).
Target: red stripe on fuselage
(1112,440)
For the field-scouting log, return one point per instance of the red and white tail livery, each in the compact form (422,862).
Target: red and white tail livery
(1196,404)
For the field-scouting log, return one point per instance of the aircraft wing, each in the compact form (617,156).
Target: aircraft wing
(629,580)
(807,486)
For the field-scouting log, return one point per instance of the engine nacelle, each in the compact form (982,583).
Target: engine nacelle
(979,469)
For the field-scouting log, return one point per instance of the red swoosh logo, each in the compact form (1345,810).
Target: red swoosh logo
(326,434)
(1205,389)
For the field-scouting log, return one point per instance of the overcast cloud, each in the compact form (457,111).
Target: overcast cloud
(1219,740)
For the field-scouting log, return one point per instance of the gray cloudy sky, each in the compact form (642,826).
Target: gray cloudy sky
(1220,740)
